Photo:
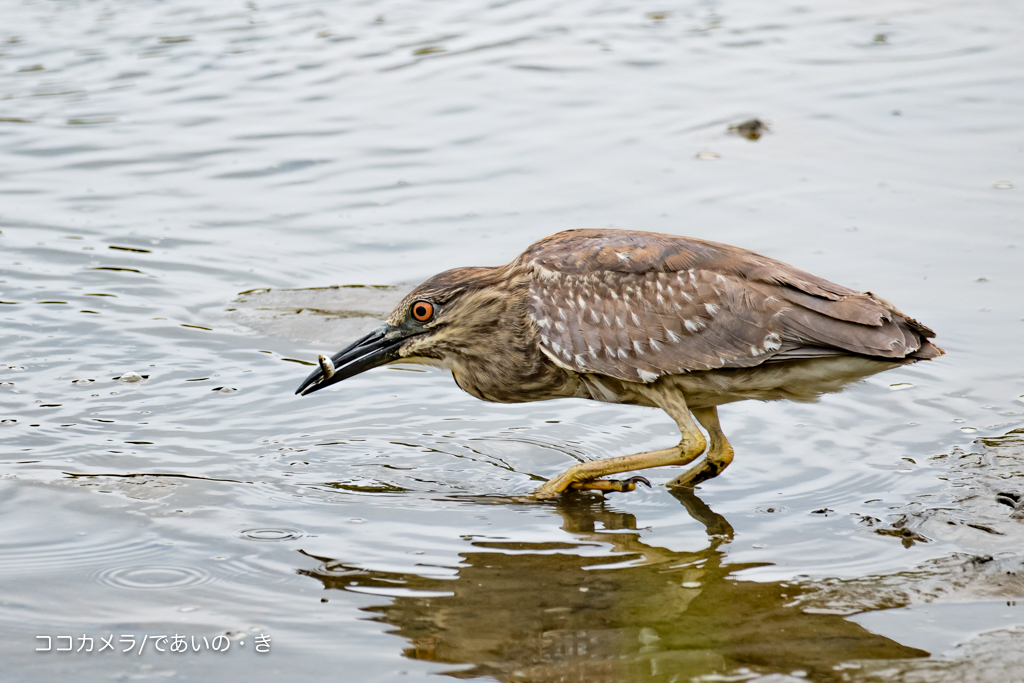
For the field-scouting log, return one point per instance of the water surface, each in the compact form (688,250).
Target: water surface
(178,181)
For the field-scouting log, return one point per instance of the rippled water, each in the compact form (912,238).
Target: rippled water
(166,169)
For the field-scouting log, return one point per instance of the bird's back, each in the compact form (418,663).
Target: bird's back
(638,305)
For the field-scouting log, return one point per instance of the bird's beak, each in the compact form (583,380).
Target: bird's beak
(375,349)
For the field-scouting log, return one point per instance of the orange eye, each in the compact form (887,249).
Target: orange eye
(423,311)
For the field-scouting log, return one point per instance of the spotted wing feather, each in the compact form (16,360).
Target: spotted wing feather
(640,305)
(637,327)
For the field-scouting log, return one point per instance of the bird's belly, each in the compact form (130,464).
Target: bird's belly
(798,380)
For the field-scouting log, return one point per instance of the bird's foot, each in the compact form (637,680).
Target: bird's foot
(620,485)
(708,469)
(559,485)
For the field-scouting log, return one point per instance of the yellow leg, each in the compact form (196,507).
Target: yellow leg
(583,475)
(619,485)
(718,457)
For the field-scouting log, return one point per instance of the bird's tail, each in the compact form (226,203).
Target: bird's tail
(927,351)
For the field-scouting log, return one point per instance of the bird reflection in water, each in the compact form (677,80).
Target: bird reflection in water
(546,612)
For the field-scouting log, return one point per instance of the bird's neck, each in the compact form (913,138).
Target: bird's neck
(505,364)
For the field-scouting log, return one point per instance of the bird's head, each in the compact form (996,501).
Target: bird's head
(443,317)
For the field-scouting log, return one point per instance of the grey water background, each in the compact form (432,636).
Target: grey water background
(158,159)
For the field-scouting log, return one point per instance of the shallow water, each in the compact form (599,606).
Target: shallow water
(168,169)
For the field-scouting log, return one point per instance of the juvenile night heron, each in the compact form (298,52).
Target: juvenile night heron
(641,318)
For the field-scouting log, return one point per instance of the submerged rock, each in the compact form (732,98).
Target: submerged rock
(751,130)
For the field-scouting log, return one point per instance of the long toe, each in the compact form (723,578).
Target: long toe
(617,485)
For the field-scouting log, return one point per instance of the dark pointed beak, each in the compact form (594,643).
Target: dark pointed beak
(375,349)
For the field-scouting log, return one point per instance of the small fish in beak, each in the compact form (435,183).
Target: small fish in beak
(380,347)
(326,366)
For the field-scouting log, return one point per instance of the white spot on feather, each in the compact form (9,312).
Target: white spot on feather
(618,321)
(638,347)
(655,346)
(623,256)
(555,359)
(691,326)
(545,274)
(672,336)
(636,320)
(560,326)
(646,376)
(773,342)
(711,308)
(623,353)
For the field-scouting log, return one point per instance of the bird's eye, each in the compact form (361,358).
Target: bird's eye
(423,311)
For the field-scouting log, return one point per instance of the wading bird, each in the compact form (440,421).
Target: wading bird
(641,318)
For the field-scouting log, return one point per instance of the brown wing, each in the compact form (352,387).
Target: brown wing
(639,305)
